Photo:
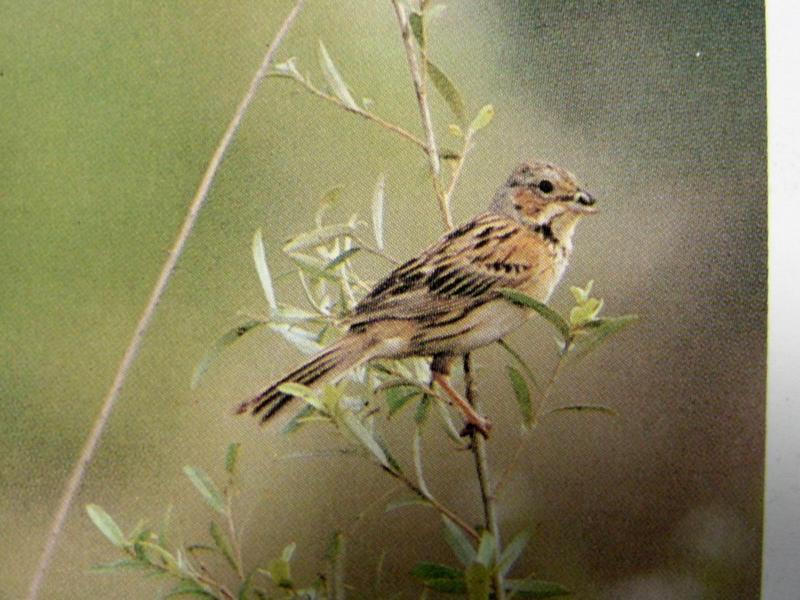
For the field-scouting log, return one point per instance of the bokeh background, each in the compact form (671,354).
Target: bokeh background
(109,112)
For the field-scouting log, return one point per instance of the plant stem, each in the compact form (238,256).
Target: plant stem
(441,508)
(548,389)
(448,194)
(418,79)
(90,446)
(484,479)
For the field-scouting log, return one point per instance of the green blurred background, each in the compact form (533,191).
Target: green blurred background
(109,112)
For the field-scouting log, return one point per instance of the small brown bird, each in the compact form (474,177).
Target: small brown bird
(446,302)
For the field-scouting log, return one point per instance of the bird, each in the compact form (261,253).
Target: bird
(447,301)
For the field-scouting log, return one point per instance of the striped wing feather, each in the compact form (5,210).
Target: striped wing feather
(461,271)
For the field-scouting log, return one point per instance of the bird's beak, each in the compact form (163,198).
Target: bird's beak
(583,203)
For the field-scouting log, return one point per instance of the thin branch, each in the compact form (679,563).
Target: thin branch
(400,476)
(484,479)
(417,77)
(546,392)
(90,446)
(448,194)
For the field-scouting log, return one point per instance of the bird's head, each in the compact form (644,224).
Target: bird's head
(541,194)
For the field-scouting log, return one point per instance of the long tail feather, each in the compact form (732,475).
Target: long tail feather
(345,354)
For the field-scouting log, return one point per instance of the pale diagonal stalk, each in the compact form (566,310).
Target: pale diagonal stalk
(484,479)
(546,392)
(459,166)
(418,79)
(78,472)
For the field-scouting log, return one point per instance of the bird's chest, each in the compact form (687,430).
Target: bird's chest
(548,270)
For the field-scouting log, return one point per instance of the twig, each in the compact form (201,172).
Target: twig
(482,469)
(418,79)
(448,194)
(400,476)
(548,389)
(90,446)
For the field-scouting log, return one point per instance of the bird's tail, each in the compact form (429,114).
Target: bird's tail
(345,354)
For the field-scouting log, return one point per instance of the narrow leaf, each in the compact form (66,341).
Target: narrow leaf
(260,259)
(107,526)
(446,585)
(119,565)
(416,20)
(398,397)
(522,364)
(232,457)
(280,572)
(302,339)
(345,255)
(363,435)
(334,78)
(299,419)
(403,502)
(287,69)
(603,329)
(188,588)
(423,408)
(541,308)
(426,570)
(450,93)
(513,551)
(216,349)
(483,118)
(377,210)
(206,487)
(459,542)
(309,239)
(522,395)
(478,582)
(532,588)
(486,548)
(223,544)
(298,390)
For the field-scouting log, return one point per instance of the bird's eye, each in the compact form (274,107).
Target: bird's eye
(546,186)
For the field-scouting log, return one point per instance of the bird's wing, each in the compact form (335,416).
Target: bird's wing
(464,269)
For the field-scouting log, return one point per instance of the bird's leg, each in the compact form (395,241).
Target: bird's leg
(440,370)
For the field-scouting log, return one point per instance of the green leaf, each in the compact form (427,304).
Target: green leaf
(603,329)
(288,551)
(522,395)
(426,570)
(532,588)
(317,237)
(416,20)
(287,69)
(207,488)
(223,544)
(221,344)
(377,210)
(246,587)
(335,556)
(188,587)
(455,130)
(280,572)
(446,585)
(423,408)
(459,542)
(483,118)
(260,260)
(334,78)
(363,435)
(486,549)
(581,295)
(232,457)
(342,257)
(512,552)
(107,526)
(478,582)
(450,93)
(298,420)
(523,365)
(583,313)
(302,339)
(400,396)
(541,308)
(298,390)
(119,565)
